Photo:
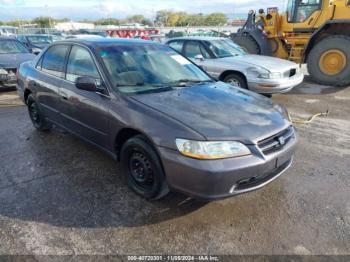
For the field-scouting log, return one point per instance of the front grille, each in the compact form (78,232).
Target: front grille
(256,181)
(276,142)
(290,73)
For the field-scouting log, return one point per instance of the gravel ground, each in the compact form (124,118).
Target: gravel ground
(59,195)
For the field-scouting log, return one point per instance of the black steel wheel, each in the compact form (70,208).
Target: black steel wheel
(36,116)
(143,169)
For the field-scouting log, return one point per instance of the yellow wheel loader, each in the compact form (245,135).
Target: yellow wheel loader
(316,32)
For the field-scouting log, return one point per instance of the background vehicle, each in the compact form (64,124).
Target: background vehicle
(83,36)
(36,42)
(12,54)
(8,30)
(316,32)
(227,62)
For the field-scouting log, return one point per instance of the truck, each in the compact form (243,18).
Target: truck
(315,32)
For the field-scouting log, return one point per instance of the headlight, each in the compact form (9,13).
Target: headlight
(275,75)
(260,72)
(210,149)
(3,71)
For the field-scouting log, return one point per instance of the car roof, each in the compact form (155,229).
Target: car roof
(93,41)
(34,34)
(7,38)
(197,38)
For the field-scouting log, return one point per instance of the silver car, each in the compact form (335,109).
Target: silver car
(227,62)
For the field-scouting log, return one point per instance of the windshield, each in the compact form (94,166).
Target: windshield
(39,39)
(225,48)
(149,68)
(11,47)
(299,11)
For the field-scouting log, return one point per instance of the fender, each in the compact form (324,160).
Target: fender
(318,32)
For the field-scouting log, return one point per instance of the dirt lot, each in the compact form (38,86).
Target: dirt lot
(59,195)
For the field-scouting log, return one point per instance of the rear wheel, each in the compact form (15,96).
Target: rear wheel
(236,80)
(36,116)
(328,62)
(142,168)
(247,43)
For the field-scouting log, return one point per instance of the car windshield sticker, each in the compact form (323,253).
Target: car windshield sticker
(181,60)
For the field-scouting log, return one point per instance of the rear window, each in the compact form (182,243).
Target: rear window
(11,47)
(53,60)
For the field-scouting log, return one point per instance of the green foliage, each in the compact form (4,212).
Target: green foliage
(168,18)
(43,21)
(107,21)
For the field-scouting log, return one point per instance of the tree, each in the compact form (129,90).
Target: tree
(136,19)
(162,17)
(107,21)
(147,22)
(215,19)
(43,21)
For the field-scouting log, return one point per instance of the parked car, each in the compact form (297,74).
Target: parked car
(12,54)
(227,62)
(169,124)
(35,42)
(8,30)
(83,36)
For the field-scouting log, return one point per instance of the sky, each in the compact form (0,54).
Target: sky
(93,9)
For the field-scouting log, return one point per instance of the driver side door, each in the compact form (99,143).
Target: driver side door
(85,113)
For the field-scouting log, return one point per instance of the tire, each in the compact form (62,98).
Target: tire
(143,170)
(323,69)
(236,80)
(247,43)
(36,116)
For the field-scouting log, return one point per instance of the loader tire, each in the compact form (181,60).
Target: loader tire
(329,61)
(247,43)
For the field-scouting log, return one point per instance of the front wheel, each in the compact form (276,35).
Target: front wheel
(236,80)
(36,116)
(328,62)
(142,168)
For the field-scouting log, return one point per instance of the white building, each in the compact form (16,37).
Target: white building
(67,26)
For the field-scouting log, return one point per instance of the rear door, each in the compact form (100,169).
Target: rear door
(50,76)
(84,113)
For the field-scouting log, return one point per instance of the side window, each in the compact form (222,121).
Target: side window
(306,8)
(204,52)
(192,49)
(80,63)
(177,45)
(53,61)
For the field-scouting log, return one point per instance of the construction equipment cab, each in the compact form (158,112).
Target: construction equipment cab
(316,32)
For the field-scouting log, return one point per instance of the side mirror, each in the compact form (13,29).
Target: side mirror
(86,83)
(199,57)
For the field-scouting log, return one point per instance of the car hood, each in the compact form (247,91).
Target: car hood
(272,64)
(219,111)
(14,60)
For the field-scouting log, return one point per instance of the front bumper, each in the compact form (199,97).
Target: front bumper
(9,78)
(217,179)
(274,86)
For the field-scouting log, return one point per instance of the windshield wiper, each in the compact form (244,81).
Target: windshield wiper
(185,82)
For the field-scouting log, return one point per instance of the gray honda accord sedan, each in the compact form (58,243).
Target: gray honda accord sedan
(169,124)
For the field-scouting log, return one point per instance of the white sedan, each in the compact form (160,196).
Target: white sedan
(227,62)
